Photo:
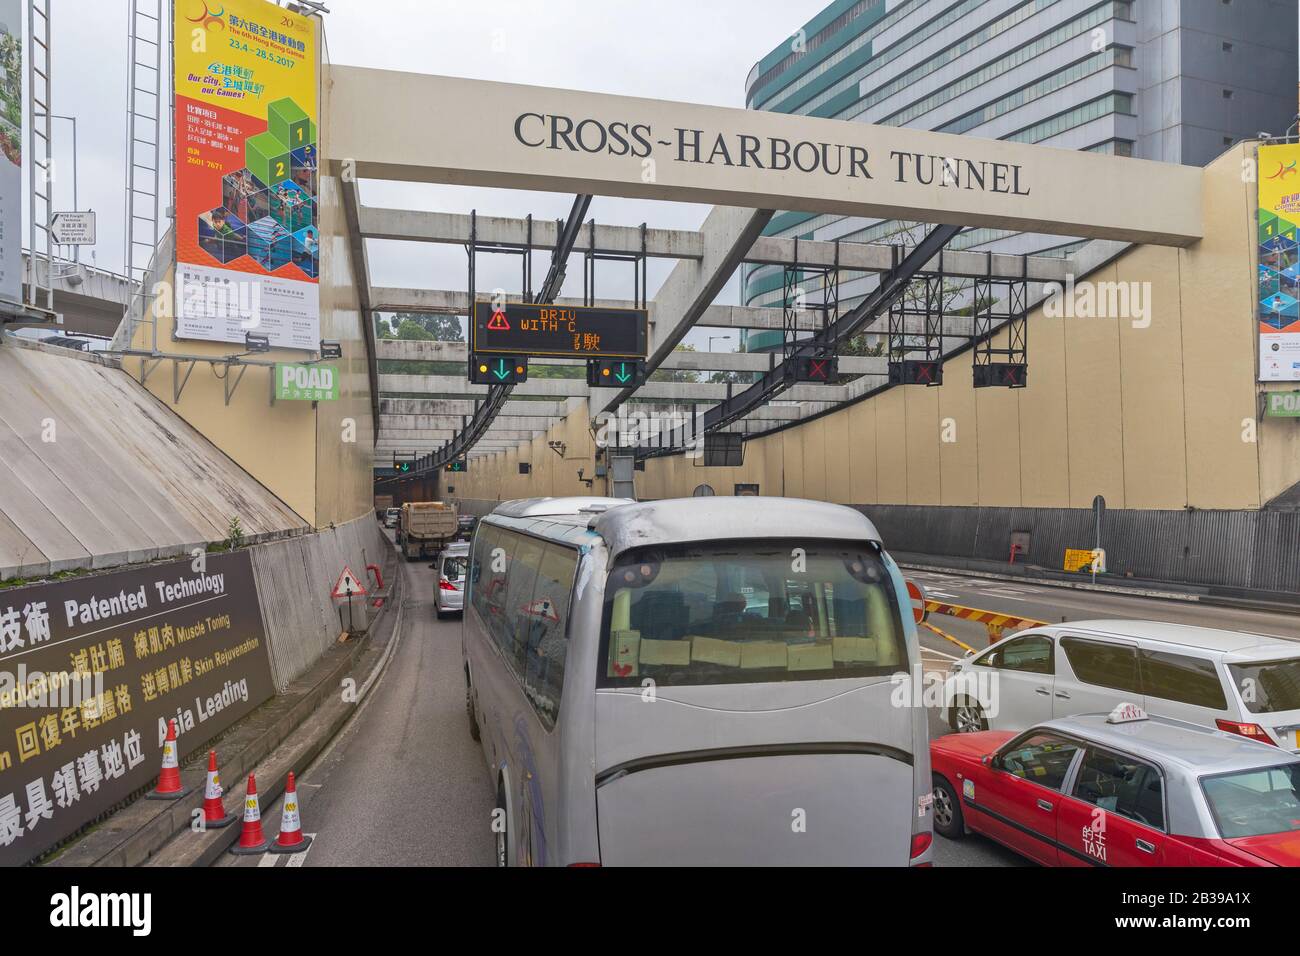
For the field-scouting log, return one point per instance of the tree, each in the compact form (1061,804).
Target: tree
(411,325)
(406,326)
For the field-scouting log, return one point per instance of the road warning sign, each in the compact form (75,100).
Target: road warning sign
(498,322)
(916,595)
(348,585)
(541,608)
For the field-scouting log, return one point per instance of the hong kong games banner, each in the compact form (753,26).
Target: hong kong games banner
(247,224)
(1279,268)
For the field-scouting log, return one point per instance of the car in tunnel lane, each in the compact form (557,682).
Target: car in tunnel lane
(451,564)
(1242,683)
(701,677)
(1121,789)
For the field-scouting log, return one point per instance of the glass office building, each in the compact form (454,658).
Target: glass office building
(1171,80)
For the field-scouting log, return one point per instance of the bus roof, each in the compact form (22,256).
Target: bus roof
(715,518)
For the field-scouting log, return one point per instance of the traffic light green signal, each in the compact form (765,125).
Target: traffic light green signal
(615,373)
(498,369)
(459,466)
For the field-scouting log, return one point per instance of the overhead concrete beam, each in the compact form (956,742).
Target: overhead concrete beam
(449,302)
(428,351)
(394,125)
(446,302)
(578,388)
(445,227)
(438,227)
(460,406)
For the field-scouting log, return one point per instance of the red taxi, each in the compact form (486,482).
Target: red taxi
(1121,789)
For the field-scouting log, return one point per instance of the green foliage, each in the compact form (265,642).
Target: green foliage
(427,328)
(234,533)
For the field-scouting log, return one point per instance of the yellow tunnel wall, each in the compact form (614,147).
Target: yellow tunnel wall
(1154,417)
(319,461)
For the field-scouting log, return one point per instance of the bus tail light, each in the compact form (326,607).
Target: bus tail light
(446,585)
(1252,731)
(921,842)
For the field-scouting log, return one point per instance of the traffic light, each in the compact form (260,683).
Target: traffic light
(615,373)
(1001,375)
(822,369)
(916,372)
(498,369)
(403,461)
(459,466)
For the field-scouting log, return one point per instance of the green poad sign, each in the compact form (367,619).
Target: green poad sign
(1283,405)
(306,383)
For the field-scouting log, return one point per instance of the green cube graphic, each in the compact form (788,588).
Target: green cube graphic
(267,157)
(1268,226)
(290,125)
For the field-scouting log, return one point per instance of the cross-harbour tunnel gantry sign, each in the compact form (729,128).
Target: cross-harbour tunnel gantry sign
(416,127)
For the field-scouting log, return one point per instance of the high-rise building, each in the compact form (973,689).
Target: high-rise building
(1171,80)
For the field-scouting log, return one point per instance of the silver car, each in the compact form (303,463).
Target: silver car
(717,681)
(451,565)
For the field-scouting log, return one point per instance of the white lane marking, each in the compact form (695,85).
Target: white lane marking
(298,859)
(268,859)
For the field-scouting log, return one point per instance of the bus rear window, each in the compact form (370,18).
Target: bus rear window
(749,611)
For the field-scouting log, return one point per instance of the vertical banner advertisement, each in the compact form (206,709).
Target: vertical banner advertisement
(11,150)
(1279,270)
(92,670)
(247,225)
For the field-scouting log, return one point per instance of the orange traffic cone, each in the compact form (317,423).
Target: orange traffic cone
(214,812)
(251,839)
(169,777)
(291,839)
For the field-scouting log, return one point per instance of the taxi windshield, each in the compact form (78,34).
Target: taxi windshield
(1255,802)
(750,611)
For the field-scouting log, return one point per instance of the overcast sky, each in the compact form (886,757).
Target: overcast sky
(666,49)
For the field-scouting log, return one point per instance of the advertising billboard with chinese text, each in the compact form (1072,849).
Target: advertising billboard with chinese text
(247,222)
(1279,271)
(92,669)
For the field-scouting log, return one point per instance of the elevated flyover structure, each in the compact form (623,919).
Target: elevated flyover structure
(1146,399)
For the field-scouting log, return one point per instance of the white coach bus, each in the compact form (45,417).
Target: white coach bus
(696,681)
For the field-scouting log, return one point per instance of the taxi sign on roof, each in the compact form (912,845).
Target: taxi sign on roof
(1126,714)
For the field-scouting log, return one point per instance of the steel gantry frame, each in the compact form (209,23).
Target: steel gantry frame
(1006,366)
(487,410)
(781,376)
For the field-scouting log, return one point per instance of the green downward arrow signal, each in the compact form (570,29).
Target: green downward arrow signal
(622,375)
(501,371)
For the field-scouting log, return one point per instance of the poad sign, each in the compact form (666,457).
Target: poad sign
(306,383)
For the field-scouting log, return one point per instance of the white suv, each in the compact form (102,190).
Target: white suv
(1247,684)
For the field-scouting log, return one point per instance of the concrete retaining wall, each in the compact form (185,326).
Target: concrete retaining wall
(294,578)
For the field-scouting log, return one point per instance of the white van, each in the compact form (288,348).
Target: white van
(1247,684)
(703,681)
